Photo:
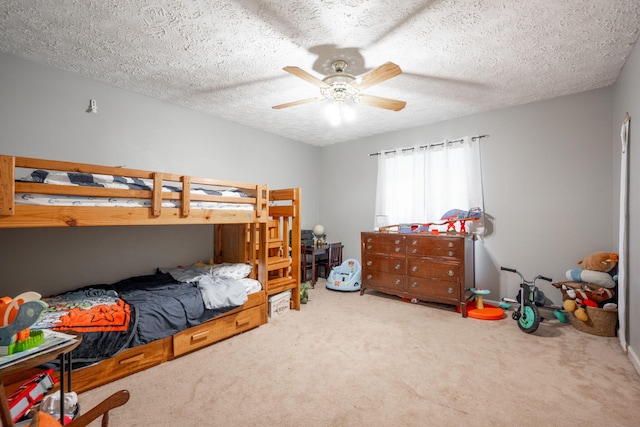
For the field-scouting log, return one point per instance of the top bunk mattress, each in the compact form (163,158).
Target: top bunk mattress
(118,182)
(51,193)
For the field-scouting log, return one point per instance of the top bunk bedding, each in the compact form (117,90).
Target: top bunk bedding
(45,193)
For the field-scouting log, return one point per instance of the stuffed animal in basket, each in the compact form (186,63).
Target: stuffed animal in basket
(596,269)
(592,285)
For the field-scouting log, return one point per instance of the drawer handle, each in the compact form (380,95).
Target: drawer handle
(368,246)
(369,263)
(242,322)
(369,240)
(451,253)
(134,359)
(414,285)
(397,249)
(450,290)
(397,242)
(398,266)
(199,336)
(414,268)
(398,282)
(369,276)
(450,244)
(414,251)
(415,242)
(450,273)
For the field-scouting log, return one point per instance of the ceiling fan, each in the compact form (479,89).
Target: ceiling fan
(341,86)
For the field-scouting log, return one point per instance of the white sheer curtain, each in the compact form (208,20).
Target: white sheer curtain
(419,184)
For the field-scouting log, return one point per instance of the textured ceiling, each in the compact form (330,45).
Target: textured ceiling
(225,57)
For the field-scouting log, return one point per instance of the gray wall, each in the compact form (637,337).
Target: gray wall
(547,183)
(627,100)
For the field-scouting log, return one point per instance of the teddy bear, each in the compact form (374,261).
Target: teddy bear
(591,285)
(595,269)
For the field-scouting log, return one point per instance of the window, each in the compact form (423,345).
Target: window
(420,184)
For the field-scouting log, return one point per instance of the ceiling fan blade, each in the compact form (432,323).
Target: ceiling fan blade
(384,72)
(386,103)
(294,103)
(299,72)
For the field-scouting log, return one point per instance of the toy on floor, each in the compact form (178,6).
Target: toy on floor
(479,309)
(531,300)
(593,285)
(346,277)
(304,293)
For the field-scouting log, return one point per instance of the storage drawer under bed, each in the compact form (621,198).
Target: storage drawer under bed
(125,363)
(210,332)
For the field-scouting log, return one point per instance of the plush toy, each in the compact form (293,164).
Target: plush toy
(585,291)
(595,269)
(572,307)
(600,261)
(596,277)
(592,285)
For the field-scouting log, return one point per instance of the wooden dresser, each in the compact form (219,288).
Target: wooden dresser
(436,268)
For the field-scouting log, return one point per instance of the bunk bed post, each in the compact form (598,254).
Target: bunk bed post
(156,202)
(7,186)
(263,252)
(185,196)
(296,238)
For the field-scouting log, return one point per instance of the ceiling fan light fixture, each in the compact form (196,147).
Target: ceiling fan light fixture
(339,92)
(338,112)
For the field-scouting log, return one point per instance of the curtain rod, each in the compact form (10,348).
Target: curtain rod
(473,138)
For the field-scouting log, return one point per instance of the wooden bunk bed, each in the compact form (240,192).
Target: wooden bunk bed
(251,228)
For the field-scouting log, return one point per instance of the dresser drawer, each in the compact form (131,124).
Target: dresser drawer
(377,279)
(446,271)
(216,330)
(391,244)
(434,288)
(435,246)
(383,264)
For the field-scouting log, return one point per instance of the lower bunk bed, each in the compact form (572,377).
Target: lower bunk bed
(143,321)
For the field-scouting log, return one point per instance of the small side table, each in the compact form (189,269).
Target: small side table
(61,352)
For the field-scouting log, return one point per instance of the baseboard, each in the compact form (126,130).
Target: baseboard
(635,361)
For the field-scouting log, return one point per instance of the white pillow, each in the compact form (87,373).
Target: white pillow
(590,276)
(226,269)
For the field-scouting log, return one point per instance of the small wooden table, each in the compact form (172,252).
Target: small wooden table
(61,351)
(315,251)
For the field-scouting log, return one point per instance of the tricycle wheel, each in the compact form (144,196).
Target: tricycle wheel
(530,318)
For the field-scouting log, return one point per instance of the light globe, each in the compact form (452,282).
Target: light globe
(318,231)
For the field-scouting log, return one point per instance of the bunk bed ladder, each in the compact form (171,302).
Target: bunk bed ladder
(283,263)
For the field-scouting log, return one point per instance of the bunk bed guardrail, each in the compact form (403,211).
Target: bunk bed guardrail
(217,206)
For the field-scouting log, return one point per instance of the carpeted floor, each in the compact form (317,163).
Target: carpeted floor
(374,360)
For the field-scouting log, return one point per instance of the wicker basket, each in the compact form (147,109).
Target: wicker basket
(600,322)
